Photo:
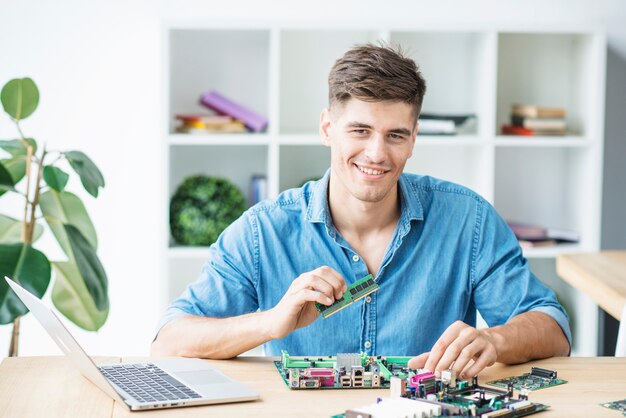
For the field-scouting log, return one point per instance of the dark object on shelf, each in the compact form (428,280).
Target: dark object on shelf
(528,232)
(202,208)
(444,124)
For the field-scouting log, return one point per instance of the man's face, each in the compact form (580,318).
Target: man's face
(370,143)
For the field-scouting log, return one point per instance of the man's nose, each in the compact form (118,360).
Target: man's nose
(376,150)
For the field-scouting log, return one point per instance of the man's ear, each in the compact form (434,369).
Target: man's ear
(325,123)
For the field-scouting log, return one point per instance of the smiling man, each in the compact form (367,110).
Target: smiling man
(438,252)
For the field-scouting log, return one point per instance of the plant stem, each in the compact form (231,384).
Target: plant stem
(25,226)
(15,336)
(35,201)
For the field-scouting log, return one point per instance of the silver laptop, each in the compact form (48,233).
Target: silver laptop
(163,383)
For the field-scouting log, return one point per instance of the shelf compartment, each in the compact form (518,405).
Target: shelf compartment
(304,74)
(547,69)
(217,161)
(454,66)
(233,62)
(546,186)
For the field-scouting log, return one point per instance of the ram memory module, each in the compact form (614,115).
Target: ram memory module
(356,291)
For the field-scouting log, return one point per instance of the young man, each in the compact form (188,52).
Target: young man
(437,250)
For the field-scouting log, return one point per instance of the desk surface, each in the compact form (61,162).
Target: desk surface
(601,276)
(51,387)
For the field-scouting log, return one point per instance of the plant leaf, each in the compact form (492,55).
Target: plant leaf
(61,208)
(16,167)
(17,147)
(89,174)
(72,299)
(6,180)
(28,267)
(55,177)
(89,266)
(20,98)
(11,231)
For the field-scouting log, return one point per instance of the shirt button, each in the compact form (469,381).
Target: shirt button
(367,344)
(355,258)
(368,299)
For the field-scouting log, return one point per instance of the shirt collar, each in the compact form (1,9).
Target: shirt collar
(318,209)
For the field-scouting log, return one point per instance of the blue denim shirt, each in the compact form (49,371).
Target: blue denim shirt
(450,254)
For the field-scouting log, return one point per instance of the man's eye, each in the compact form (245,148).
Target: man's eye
(396,136)
(359,131)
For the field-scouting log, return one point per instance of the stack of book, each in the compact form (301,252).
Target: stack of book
(444,124)
(539,236)
(225,106)
(202,124)
(533,120)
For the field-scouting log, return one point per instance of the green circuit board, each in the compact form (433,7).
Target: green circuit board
(537,379)
(355,291)
(617,405)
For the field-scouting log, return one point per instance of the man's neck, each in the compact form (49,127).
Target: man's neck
(357,218)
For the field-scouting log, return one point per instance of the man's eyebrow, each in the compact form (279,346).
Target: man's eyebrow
(401,131)
(358,125)
(361,125)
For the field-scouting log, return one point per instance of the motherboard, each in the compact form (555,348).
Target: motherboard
(412,392)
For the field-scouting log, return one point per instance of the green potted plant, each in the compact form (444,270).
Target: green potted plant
(80,284)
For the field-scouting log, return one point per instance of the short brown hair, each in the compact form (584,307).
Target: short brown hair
(375,73)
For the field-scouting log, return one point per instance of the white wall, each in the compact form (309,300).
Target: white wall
(98,66)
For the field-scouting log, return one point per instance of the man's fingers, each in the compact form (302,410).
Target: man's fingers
(486,359)
(308,295)
(335,279)
(313,282)
(440,347)
(464,357)
(418,362)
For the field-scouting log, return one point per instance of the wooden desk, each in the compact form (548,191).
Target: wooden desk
(51,387)
(601,276)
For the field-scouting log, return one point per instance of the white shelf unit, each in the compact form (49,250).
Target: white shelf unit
(281,71)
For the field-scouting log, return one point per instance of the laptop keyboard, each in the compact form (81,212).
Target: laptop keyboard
(147,382)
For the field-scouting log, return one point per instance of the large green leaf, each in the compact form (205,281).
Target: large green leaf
(6,180)
(55,177)
(16,167)
(27,266)
(72,299)
(20,97)
(89,174)
(66,208)
(89,267)
(17,147)
(11,230)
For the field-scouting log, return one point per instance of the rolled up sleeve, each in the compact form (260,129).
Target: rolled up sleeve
(501,278)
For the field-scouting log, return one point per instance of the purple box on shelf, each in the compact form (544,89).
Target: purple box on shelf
(225,106)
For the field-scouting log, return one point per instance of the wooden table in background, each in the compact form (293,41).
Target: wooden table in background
(51,387)
(601,276)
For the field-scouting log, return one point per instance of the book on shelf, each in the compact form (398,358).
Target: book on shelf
(537,233)
(534,111)
(543,124)
(225,106)
(533,120)
(444,124)
(535,244)
(520,130)
(208,124)
(258,189)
